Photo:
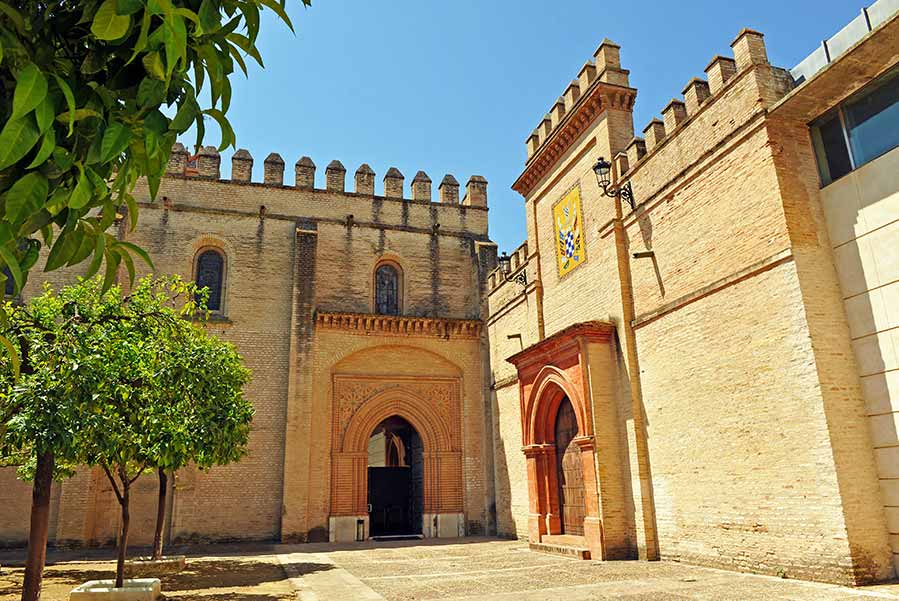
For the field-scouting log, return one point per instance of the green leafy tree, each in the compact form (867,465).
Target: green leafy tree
(198,392)
(82,88)
(98,386)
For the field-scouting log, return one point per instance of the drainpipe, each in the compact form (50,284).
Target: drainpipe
(630,343)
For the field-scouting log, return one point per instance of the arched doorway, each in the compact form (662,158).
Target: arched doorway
(395,479)
(569,470)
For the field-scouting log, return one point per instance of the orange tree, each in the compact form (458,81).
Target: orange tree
(112,381)
(82,88)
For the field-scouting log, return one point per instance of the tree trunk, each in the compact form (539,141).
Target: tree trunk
(40,523)
(160,514)
(123,539)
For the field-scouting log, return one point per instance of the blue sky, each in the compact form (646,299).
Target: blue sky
(455,87)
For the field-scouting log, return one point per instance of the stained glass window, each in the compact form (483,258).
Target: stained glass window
(387,290)
(211,274)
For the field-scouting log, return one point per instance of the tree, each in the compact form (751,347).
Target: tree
(99,387)
(198,390)
(82,88)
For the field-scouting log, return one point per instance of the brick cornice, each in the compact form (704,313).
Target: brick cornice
(567,339)
(599,97)
(366,323)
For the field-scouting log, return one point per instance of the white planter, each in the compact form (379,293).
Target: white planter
(136,589)
(144,567)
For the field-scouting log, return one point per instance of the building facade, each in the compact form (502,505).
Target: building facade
(709,374)
(350,308)
(693,356)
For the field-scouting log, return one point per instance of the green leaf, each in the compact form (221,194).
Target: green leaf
(48,145)
(153,64)
(31,89)
(210,17)
(108,24)
(132,210)
(115,141)
(13,265)
(78,115)
(15,16)
(81,195)
(279,10)
(84,249)
(142,36)
(112,267)
(185,116)
(128,7)
(235,54)
(25,197)
(139,252)
(66,244)
(150,92)
(44,114)
(129,265)
(246,45)
(17,139)
(70,99)
(13,355)
(175,36)
(228,138)
(95,263)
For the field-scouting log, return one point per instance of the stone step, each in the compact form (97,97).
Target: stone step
(559,549)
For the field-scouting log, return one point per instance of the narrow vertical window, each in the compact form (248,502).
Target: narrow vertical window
(211,274)
(387,301)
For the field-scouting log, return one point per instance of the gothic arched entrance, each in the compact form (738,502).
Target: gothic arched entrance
(395,479)
(569,471)
(576,487)
(419,420)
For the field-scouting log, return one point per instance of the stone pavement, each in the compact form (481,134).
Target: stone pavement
(499,570)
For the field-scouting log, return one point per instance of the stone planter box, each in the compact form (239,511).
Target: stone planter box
(144,567)
(137,589)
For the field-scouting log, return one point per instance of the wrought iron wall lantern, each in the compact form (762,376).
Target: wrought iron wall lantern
(603,169)
(505,267)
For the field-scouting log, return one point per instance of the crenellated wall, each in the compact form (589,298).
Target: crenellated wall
(759,456)
(293,254)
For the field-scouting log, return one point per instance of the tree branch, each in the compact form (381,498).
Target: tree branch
(112,481)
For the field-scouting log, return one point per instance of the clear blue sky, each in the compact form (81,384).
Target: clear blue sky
(456,86)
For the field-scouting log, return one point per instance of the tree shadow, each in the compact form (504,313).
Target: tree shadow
(229,573)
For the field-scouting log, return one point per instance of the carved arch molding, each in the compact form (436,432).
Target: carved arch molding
(431,405)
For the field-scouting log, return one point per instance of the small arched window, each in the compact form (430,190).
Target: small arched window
(210,273)
(387,290)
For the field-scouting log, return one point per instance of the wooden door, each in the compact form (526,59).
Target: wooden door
(570,471)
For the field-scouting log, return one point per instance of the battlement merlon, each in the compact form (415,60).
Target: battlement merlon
(601,84)
(605,67)
(554,135)
(518,260)
(208,162)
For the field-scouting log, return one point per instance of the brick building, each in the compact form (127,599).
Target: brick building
(702,367)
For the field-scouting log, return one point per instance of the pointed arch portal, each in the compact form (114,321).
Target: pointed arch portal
(396,460)
(563,380)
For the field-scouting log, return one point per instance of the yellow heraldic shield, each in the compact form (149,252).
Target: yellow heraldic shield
(568,220)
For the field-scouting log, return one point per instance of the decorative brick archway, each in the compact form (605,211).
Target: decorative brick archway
(548,372)
(431,406)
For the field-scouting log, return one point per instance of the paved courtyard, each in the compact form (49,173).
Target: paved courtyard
(507,570)
(473,568)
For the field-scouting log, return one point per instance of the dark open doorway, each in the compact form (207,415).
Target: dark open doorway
(395,479)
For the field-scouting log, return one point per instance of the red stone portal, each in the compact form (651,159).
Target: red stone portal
(554,393)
